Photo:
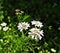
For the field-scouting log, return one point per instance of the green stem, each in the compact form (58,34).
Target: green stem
(22,34)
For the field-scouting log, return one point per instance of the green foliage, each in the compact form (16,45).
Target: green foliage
(13,41)
(21,17)
(1,11)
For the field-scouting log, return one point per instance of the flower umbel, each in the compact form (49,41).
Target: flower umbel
(23,26)
(36,33)
(37,23)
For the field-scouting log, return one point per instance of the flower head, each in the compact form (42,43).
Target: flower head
(3,24)
(36,33)
(17,11)
(5,28)
(37,23)
(53,50)
(22,11)
(23,26)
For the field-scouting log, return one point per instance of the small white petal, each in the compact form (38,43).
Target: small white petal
(36,38)
(40,37)
(32,36)
(41,32)
(29,33)
(33,22)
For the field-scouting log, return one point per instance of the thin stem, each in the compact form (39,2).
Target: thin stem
(22,34)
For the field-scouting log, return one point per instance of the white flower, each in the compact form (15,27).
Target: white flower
(37,23)
(53,50)
(22,11)
(23,26)
(0,27)
(16,13)
(36,33)
(5,28)
(3,24)
(1,40)
(17,10)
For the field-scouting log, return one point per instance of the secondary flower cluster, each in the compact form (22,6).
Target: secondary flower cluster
(3,26)
(35,32)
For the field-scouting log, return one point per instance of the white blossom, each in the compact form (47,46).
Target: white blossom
(22,11)
(5,28)
(37,23)
(17,10)
(36,33)
(1,40)
(3,24)
(16,13)
(53,50)
(23,26)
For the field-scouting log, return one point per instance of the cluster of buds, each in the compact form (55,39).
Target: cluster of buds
(18,11)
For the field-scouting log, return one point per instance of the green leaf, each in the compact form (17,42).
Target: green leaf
(26,17)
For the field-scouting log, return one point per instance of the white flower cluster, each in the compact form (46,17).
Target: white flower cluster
(3,26)
(18,11)
(36,32)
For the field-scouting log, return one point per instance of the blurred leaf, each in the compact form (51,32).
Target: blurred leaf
(50,27)
(40,52)
(1,18)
